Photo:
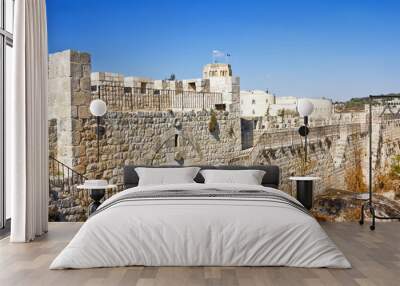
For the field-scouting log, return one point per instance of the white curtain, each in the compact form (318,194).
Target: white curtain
(26,123)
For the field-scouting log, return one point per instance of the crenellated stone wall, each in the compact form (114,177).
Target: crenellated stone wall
(155,138)
(329,151)
(184,138)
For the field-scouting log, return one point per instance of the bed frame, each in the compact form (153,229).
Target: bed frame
(271,178)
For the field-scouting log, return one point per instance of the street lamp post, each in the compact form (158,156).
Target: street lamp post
(304,183)
(305,108)
(98,108)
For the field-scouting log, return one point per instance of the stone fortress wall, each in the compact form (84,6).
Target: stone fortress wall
(183,137)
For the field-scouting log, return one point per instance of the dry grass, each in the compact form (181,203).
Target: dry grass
(354,177)
(303,167)
(387,178)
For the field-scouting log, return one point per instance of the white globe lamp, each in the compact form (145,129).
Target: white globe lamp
(98,107)
(304,107)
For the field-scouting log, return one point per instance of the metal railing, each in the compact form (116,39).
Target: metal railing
(119,98)
(63,178)
(65,198)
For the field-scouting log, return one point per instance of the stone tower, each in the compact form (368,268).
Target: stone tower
(221,80)
(217,70)
(68,102)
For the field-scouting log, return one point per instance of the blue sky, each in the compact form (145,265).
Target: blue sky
(311,48)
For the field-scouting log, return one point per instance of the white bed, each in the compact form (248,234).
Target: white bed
(185,230)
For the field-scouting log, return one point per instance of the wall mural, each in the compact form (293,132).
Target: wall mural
(200,122)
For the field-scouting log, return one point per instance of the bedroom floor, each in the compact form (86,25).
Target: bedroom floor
(375,257)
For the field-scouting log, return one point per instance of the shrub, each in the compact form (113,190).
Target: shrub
(213,123)
(354,177)
(395,167)
(303,167)
(387,178)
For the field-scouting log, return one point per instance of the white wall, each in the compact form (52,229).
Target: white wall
(322,107)
(224,86)
(255,103)
(283,100)
(274,109)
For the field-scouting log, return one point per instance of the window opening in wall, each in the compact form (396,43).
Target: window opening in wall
(176,140)
(192,86)
(143,86)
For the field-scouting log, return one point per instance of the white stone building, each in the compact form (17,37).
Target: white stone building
(221,79)
(323,107)
(286,100)
(255,103)
(283,103)
(258,103)
(275,109)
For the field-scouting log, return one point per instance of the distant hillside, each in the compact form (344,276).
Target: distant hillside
(358,104)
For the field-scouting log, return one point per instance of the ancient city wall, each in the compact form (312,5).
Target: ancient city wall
(155,138)
(185,138)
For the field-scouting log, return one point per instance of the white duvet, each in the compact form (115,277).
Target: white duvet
(200,231)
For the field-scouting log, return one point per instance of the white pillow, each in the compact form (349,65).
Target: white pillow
(248,177)
(166,176)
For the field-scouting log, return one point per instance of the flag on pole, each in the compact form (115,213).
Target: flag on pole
(217,55)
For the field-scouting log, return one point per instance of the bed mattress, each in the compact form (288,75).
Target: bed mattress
(201,225)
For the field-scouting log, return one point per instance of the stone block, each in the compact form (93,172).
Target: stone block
(74,56)
(116,134)
(85,58)
(74,111)
(91,167)
(83,112)
(107,174)
(75,84)
(82,150)
(59,64)
(86,70)
(64,124)
(76,70)
(85,83)
(76,151)
(81,98)
(76,137)
(76,124)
